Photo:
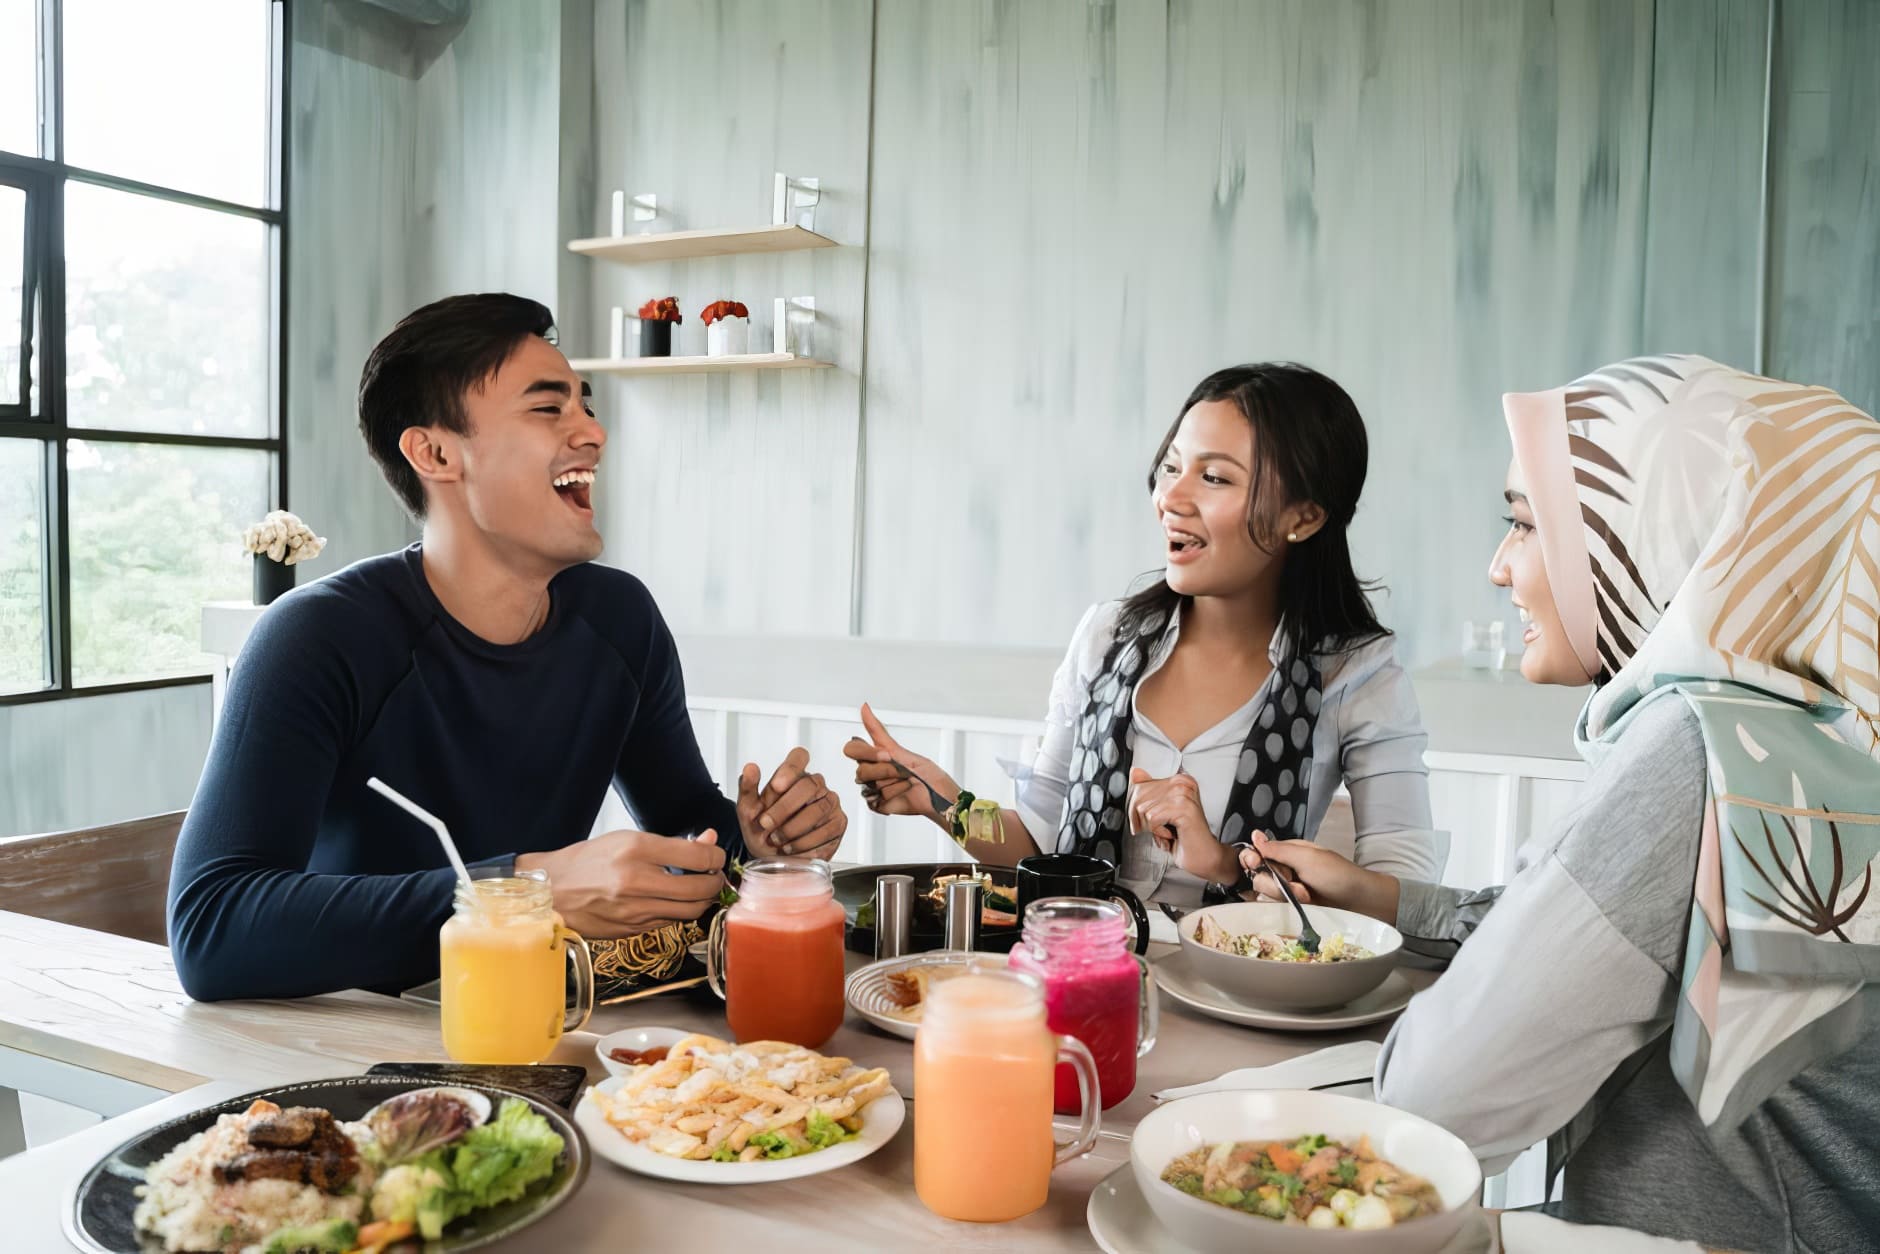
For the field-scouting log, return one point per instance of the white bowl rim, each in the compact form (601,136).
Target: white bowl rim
(653,1035)
(1335,1101)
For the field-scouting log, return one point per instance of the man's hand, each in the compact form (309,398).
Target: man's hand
(1170,811)
(618,884)
(1317,874)
(794,815)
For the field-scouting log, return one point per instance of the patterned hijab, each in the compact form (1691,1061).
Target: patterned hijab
(1713,536)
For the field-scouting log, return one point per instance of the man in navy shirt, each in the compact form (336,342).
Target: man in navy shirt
(491,672)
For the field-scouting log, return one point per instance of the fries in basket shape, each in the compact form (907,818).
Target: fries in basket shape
(711,1099)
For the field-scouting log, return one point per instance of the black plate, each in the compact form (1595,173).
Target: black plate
(855,885)
(101,1214)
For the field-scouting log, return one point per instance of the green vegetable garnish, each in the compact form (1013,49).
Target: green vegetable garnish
(1346,1172)
(1289,1186)
(489,1165)
(822,1131)
(728,896)
(975,818)
(335,1236)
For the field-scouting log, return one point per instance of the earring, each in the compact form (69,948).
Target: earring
(1292,537)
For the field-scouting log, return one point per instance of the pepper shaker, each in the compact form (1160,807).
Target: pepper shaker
(894,915)
(962,920)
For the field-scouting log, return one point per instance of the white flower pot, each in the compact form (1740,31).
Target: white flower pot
(728,337)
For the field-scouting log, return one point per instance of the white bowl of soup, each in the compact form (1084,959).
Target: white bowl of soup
(1255,953)
(1303,1173)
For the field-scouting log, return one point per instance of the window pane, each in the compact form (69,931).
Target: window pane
(174,93)
(22,566)
(166,316)
(19,76)
(12,287)
(156,531)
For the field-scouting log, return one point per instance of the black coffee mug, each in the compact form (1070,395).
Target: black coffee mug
(1074,875)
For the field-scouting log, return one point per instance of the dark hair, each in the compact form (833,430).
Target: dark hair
(1308,445)
(418,375)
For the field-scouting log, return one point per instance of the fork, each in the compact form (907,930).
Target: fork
(1308,937)
(940,804)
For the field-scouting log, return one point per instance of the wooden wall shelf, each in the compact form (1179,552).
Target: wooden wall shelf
(679,245)
(698,365)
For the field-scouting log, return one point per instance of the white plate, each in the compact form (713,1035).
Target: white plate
(867,988)
(881,1119)
(642,1039)
(1176,977)
(1122,1223)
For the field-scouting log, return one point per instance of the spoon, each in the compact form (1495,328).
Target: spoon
(1308,937)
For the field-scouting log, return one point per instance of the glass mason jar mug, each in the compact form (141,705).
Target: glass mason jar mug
(503,957)
(1095,989)
(983,1064)
(776,956)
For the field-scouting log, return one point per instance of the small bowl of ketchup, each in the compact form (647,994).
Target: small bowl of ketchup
(621,1052)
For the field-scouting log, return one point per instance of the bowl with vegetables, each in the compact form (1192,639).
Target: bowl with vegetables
(1252,950)
(1303,1173)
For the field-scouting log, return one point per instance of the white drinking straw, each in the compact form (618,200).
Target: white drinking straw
(436,824)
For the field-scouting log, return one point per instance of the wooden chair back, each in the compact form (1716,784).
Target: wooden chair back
(110,879)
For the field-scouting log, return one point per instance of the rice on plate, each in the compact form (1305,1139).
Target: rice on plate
(188,1202)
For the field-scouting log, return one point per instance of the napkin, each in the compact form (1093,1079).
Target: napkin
(1526,1233)
(1351,1063)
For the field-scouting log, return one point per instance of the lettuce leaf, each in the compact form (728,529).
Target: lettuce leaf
(489,1165)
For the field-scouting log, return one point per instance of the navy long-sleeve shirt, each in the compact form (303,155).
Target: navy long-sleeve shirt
(293,878)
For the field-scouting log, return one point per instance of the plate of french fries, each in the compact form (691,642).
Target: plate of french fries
(714,1112)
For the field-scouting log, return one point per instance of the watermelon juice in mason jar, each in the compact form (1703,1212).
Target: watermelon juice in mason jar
(776,956)
(1095,989)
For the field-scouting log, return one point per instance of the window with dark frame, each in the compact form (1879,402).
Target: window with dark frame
(142,290)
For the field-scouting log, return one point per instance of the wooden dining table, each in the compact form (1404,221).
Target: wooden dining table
(102,1020)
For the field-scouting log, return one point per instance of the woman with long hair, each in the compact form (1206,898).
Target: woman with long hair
(1236,693)
(1677,989)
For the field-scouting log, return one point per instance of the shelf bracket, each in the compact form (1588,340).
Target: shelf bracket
(793,318)
(645,209)
(794,201)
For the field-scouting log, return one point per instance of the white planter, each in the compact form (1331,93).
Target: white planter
(728,337)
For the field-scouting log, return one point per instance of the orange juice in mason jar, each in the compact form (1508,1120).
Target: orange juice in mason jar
(776,956)
(984,1064)
(503,957)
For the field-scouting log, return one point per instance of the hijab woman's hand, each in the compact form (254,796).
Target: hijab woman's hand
(1318,875)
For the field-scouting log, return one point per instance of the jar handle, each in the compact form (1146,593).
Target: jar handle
(715,955)
(583,959)
(1149,1021)
(1089,1097)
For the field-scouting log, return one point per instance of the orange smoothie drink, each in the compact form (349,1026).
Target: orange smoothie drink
(984,1063)
(503,972)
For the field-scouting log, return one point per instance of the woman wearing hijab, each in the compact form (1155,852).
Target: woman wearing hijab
(1676,990)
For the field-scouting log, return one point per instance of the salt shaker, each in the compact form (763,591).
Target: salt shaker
(962,920)
(894,915)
